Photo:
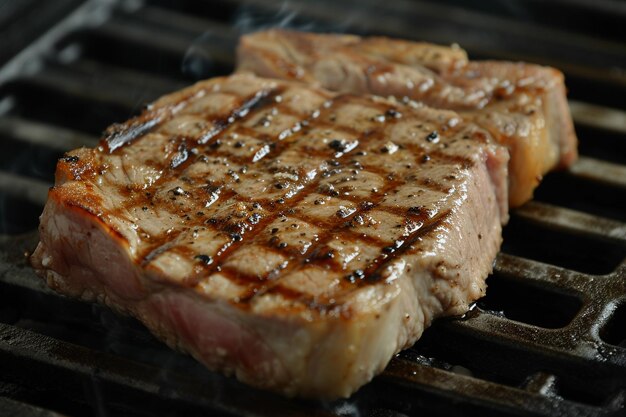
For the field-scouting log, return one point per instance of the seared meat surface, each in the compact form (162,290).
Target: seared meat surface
(523,106)
(294,237)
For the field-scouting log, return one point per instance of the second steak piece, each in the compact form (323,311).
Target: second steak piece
(294,237)
(522,105)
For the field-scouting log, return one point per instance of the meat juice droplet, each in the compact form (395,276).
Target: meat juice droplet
(337,145)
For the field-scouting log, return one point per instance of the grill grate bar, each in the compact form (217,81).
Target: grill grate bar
(598,116)
(21,349)
(31,189)
(572,220)
(498,330)
(526,269)
(153,85)
(44,135)
(572,351)
(411,374)
(15,408)
(600,171)
(62,83)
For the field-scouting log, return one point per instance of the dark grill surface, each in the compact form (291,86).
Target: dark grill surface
(548,339)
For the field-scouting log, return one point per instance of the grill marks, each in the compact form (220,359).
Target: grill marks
(259,100)
(276,206)
(522,106)
(340,156)
(119,135)
(319,255)
(207,139)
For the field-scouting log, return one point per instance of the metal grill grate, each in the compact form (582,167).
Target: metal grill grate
(547,339)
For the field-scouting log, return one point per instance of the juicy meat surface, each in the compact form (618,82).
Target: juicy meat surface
(523,106)
(294,237)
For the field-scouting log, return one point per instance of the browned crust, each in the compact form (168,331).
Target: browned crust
(552,145)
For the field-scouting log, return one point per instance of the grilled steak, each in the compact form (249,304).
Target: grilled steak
(292,236)
(523,106)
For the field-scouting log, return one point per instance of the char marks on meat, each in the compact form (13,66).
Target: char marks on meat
(294,237)
(523,106)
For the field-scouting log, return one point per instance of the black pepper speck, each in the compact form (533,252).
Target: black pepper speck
(433,136)
(337,145)
(393,113)
(357,275)
(205,259)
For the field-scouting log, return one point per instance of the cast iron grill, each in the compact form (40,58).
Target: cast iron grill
(548,339)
